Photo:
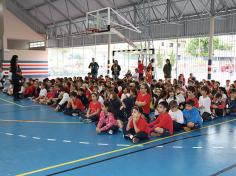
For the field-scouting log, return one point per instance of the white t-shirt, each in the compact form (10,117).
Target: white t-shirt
(178,115)
(180,98)
(43,93)
(168,100)
(206,102)
(65,98)
(136,76)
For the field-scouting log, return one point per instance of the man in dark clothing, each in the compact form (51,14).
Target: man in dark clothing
(167,70)
(115,70)
(94,68)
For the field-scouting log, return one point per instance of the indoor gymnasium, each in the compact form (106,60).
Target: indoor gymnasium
(118,87)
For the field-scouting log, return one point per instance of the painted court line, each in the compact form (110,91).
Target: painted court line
(197,147)
(9,134)
(36,138)
(102,144)
(51,139)
(13,103)
(116,151)
(84,142)
(177,147)
(66,141)
(31,121)
(22,136)
(122,145)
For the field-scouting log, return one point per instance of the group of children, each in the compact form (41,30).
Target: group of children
(139,109)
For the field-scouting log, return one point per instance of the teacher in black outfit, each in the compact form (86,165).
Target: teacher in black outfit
(16,76)
(167,70)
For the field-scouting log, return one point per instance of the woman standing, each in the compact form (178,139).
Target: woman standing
(16,76)
(167,70)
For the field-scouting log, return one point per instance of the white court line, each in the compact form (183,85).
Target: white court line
(22,136)
(177,147)
(51,139)
(159,146)
(36,138)
(234,147)
(122,145)
(9,134)
(197,147)
(66,141)
(218,147)
(84,142)
(6,104)
(102,144)
(13,103)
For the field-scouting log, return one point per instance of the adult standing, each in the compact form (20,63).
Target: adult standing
(16,76)
(115,70)
(94,68)
(167,70)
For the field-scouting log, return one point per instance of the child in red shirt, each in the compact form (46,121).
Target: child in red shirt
(137,127)
(140,69)
(93,110)
(191,96)
(163,125)
(144,100)
(107,121)
(74,105)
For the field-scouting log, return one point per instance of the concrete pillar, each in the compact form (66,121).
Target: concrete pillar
(211,35)
(2,7)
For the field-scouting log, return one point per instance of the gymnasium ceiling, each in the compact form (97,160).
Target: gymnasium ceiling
(68,16)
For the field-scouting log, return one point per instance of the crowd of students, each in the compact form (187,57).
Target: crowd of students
(139,108)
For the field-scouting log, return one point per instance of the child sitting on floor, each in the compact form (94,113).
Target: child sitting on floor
(42,94)
(137,127)
(63,100)
(218,105)
(93,110)
(107,121)
(163,125)
(205,104)
(231,103)
(176,115)
(74,106)
(192,116)
(191,96)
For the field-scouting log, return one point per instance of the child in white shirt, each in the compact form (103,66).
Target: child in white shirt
(176,115)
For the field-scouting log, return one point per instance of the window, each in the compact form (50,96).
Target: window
(37,44)
(171,45)
(162,44)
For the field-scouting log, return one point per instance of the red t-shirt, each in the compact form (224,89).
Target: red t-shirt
(196,104)
(79,105)
(142,125)
(145,98)
(29,90)
(94,107)
(163,121)
(140,68)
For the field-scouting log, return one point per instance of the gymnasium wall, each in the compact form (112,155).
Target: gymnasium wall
(34,63)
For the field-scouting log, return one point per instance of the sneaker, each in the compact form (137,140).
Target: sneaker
(110,132)
(155,134)
(187,129)
(126,136)
(75,114)
(135,140)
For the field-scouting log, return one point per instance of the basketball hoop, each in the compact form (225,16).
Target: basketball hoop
(93,30)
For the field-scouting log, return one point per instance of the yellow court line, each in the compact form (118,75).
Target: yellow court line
(114,151)
(47,122)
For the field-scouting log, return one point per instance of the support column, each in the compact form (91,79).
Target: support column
(211,35)
(2,7)
(109,54)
